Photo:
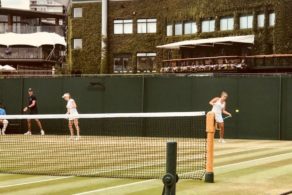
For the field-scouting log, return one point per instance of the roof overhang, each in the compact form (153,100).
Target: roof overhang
(30,13)
(34,39)
(247,39)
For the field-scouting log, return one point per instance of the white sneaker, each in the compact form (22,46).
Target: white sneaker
(71,138)
(3,132)
(223,141)
(42,132)
(77,138)
(219,141)
(28,133)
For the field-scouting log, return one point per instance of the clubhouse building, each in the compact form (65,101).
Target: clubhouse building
(175,36)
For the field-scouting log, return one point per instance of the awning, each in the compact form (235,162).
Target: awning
(34,39)
(6,68)
(249,39)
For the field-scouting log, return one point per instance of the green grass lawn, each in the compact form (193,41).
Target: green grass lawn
(241,167)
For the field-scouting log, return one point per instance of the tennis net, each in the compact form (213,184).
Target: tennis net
(128,145)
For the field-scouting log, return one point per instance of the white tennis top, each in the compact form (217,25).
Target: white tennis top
(70,104)
(218,107)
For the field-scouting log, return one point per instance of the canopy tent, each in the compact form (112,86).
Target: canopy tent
(34,39)
(248,39)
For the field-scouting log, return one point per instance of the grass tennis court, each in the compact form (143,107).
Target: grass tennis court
(241,167)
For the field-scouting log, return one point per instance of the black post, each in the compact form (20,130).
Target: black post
(170,178)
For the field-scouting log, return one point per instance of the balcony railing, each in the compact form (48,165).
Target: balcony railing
(227,63)
(25,29)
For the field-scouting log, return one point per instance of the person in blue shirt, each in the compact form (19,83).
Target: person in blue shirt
(3,121)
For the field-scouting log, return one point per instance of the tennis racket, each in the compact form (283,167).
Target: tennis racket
(217,125)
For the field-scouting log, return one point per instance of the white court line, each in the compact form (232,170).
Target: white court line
(116,187)
(219,167)
(254,160)
(33,182)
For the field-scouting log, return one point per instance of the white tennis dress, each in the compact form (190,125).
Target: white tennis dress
(217,109)
(73,113)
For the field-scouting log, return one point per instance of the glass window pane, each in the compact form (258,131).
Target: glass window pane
(3,18)
(142,28)
(77,12)
(178,29)
(212,25)
(77,43)
(223,24)
(243,22)
(205,26)
(250,21)
(272,19)
(146,62)
(261,20)
(152,20)
(169,30)
(118,28)
(231,24)
(152,27)
(141,20)
(128,28)
(194,28)
(188,28)
(151,54)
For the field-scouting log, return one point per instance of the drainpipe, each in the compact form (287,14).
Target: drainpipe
(104,20)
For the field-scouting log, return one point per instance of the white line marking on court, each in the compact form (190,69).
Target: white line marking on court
(33,182)
(145,181)
(254,160)
(116,187)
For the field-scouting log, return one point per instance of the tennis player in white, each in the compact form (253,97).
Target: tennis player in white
(73,115)
(219,105)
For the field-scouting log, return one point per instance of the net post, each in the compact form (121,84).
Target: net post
(170,178)
(210,128)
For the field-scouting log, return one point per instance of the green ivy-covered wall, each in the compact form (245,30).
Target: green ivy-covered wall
(268,40)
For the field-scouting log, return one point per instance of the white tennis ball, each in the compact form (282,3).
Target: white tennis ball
(236,110)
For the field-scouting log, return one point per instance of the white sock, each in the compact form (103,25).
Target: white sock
(5,124)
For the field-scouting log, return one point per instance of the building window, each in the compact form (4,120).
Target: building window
(146,62)
(272,19)
(169,30)
(178,29)
(77,12)
(208,26)
(227,23)
(77,43)
(147,25)
(3,27)
(190,28)
(261,20)
(246,22)
(3,18)
(122,63)
(16,19)
(123,26)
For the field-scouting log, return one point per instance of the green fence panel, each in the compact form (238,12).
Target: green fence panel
(11,97)
(258,100)
(286,105)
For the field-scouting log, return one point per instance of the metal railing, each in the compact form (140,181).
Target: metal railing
(227,63)
(26,29)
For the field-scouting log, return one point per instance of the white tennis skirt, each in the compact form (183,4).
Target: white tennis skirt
(73,115)
(219,118)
